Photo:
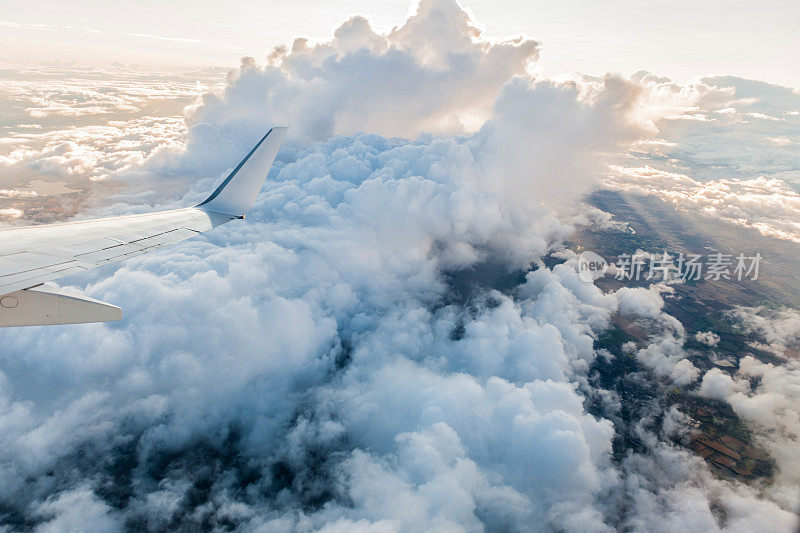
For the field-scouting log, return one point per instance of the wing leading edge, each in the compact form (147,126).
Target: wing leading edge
(32,256)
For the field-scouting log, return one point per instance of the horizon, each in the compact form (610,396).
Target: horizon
(679,40)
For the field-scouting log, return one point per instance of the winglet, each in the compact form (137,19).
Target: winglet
(238,192)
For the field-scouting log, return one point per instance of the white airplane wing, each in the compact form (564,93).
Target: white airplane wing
(30,257)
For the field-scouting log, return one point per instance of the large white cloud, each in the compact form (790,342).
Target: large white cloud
(325,332)
(358,365)
(433,73)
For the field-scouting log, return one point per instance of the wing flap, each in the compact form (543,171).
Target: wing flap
(137,247)
(31,278)
(51,252)
(109,254)
(21,262)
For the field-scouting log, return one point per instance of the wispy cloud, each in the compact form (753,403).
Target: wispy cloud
(21,26)
(164,38)
(84,29)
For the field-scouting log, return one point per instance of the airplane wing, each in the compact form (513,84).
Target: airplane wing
(30,257)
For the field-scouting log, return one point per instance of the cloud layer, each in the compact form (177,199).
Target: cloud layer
(382,346)
(725,147)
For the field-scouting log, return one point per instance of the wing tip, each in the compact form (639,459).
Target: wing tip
(237,193)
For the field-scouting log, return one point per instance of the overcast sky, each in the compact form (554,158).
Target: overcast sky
(677,38)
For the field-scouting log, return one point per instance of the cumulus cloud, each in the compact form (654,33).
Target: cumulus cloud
(640,302)
(718,385)
(77,509)
(663,351)
(10,213)
(709,338)
(767,396)
(435,73)
(779,329)
(671,490)
(92,152)
(332,369)
(543,130)
(382,344)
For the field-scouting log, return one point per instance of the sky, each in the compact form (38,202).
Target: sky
(678,38)
(351,357)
